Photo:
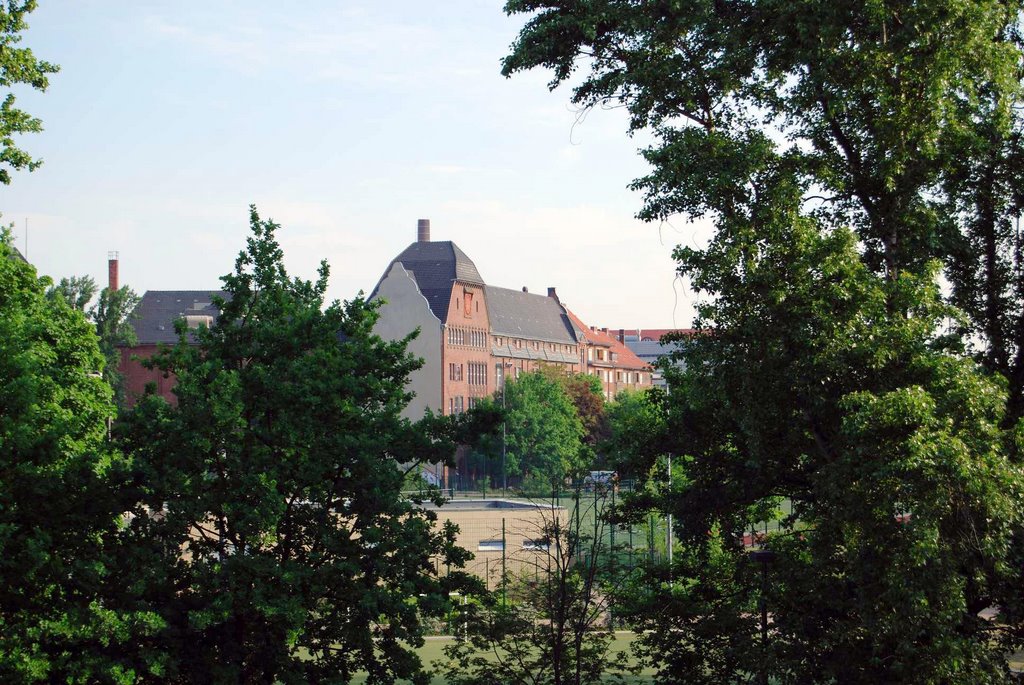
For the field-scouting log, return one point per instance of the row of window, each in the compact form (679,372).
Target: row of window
(459,404)
(619,376)
(601,354)
(519,344)
(469,337)
(477,374)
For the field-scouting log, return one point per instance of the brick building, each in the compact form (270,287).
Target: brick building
(647,345)
(154,326)
(612,362)
(473,335)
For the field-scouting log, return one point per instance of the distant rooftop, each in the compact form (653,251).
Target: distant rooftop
(159,309)
(525,315)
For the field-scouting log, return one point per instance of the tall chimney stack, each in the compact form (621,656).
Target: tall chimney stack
(552,294)
(423,231)
(112,281)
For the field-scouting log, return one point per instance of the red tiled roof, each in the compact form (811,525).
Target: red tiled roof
(625,358)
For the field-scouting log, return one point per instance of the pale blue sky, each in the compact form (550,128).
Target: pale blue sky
(343,121)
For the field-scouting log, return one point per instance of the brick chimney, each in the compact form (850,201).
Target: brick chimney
(622,335)
(423,231)
(112,281)
(553,295)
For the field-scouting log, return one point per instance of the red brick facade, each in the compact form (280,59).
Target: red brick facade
(465,351)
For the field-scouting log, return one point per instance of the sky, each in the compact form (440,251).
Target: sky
(344,122)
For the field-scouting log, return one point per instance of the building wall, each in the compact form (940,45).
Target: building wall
(136,376)
(465,352)
(404,311)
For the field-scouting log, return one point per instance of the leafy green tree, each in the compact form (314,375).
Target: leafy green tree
(58,495)
(822,377)
(77,291)
(586,394)
(269,529)
(901,499)
(18,66)
(543,431)
(983,203)
(869,99)
(637,429)
(113,315)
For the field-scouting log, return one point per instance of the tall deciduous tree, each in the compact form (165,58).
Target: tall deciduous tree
(77,291)
(586,394)
(58,494)
(871,96)
(113,314)
(18,66)
(543,431)
(822,377)
(270,526)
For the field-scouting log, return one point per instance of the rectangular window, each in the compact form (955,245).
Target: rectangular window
(491,546)
(540,545)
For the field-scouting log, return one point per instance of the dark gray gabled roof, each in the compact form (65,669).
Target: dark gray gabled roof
(436,266)
(523,315)
(159,309)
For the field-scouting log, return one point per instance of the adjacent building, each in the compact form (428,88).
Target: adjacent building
(154,326)
(646,344)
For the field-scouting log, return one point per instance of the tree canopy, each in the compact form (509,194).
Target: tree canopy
(543,431)
(268,523)
(18,66)
(839,150)
(58,492)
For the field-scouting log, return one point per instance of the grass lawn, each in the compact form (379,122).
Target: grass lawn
(432,650)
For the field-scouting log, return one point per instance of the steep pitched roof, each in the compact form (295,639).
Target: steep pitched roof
(435,266)
(159,309)
(524,315)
